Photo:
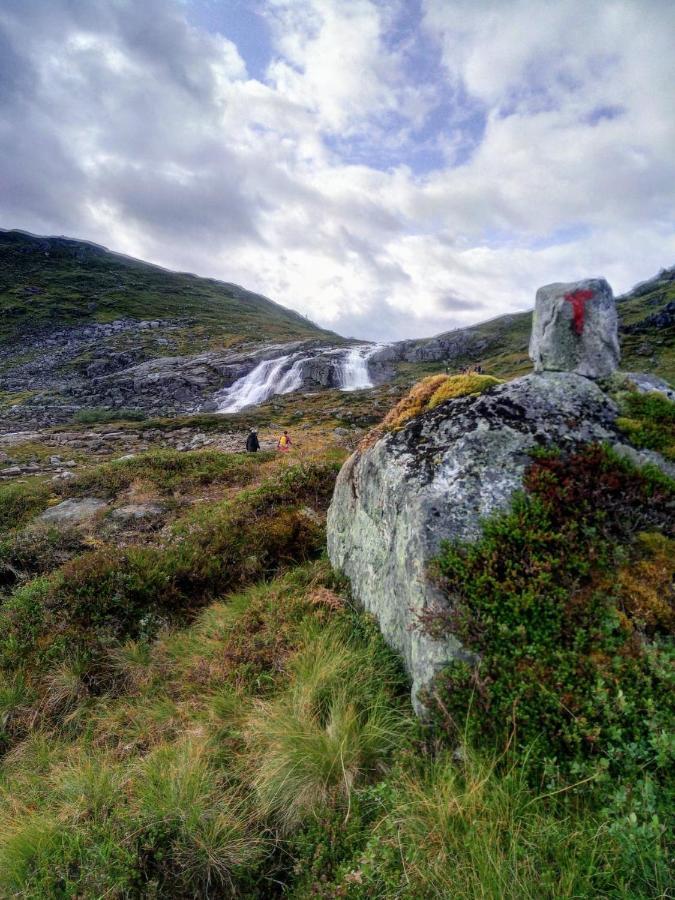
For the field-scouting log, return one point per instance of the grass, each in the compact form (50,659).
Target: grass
(19,502)
(168,471)
(334,726)
(205,713)
(459,825)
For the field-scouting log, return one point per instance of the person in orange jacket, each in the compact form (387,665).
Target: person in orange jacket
(284,442)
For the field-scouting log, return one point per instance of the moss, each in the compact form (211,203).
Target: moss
(461,386)
(425,395)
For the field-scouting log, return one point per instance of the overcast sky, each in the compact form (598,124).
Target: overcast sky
(391,168)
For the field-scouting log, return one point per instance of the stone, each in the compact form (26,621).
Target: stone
(137,512)
(646,383)
(575,329)
(73,512)
(437,479)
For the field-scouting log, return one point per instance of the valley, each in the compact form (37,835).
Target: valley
(234,675)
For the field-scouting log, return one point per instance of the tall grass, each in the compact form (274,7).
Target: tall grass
(461,828)
(333,727)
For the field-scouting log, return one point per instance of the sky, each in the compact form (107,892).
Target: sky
(389,168)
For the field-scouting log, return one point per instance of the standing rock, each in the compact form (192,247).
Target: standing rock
(575,329)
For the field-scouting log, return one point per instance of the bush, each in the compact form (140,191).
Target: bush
(99,415)
(20,502)
(649,421)
(37,550)
(571,656)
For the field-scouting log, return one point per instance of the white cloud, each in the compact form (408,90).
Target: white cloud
(121,123)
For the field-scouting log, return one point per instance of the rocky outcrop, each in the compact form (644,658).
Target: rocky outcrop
(435,480)
(441,475)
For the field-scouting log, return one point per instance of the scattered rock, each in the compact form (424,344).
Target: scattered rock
(138,512)
(73,512)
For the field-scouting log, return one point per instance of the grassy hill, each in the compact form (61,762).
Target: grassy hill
(192,706)
(50,282)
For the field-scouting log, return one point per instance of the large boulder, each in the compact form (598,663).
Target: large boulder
(436,480)
(575,329)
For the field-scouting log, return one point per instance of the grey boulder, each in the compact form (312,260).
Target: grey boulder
(73,512)
(437,479)
(575,329)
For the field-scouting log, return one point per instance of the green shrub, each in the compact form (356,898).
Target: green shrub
(19,502)
(100,415)
(564,663)
(649,421)
(37,550)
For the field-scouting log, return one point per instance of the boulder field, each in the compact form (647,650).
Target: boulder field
(438,476)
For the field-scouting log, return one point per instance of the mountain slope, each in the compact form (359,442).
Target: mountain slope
(53,282)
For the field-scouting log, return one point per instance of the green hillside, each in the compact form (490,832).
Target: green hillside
(55,281)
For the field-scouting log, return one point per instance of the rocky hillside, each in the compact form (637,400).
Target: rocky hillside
(87,332)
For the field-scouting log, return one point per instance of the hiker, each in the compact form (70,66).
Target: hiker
(284,442)
(252,442)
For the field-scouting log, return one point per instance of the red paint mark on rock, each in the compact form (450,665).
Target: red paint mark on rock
(578,299)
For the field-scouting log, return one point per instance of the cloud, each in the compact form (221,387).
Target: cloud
(398,170)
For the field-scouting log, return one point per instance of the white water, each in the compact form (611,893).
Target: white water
(284,375)
(354,375)
(271,376)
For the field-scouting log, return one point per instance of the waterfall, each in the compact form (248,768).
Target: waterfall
(284,374)
(354,371)
(271,376)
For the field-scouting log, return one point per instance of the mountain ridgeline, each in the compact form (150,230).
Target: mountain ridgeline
(54,282)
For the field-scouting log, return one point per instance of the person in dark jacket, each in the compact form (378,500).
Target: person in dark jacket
(252,442)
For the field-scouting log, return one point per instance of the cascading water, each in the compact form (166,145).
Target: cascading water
(271,376)
(285,374)
(354,375)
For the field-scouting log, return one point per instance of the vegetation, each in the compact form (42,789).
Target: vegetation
(567,603)
(649,422)
(427,394)
(199,710)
